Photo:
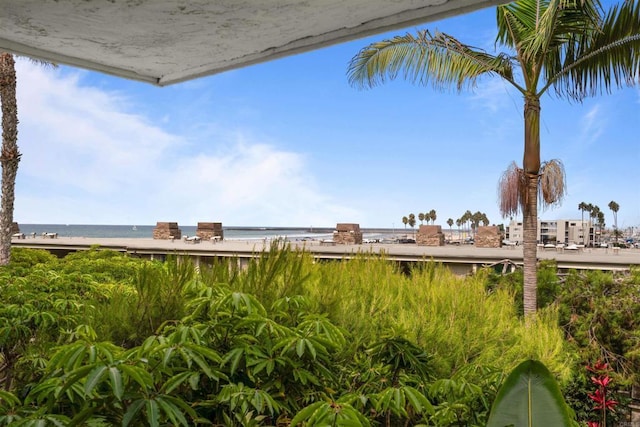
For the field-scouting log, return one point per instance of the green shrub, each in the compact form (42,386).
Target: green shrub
(287,338)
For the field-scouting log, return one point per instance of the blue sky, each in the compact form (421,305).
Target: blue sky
(291,143)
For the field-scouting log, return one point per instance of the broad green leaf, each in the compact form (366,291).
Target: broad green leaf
(8,397)
(176,381)
(139,375)
(235,355)
(530,397)
(94,378)
(153,413)
(115,378)
(172,412)
(306,413)
(132,411)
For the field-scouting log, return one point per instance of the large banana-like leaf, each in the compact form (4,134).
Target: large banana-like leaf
(530,397)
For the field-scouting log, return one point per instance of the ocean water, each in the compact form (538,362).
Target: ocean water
(146,231)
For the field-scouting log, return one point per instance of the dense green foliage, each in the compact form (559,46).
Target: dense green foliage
(99,338)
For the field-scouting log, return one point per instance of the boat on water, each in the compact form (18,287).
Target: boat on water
(134,228)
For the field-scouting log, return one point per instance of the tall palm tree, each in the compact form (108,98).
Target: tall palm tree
(589,209)
(601,222)
(450,224)
(405,221)
(594,211)
(484,219)
(582,206)
(9,153)
(572,46)
(615,208)
(432,216)
(421,217)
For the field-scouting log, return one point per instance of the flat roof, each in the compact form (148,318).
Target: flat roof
(169,41)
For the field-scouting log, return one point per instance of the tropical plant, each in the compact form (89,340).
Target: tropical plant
(421,217)
(433,216)
(573,46)
(603,405)
(530,397)
(405,221)
(450,224)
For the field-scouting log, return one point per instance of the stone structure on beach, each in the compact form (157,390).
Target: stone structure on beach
(430,235)
(347,234)
(488,237)
(210,231)
(167,231)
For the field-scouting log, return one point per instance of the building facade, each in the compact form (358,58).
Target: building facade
(565,231)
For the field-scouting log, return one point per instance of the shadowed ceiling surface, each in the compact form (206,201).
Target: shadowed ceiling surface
(169,41)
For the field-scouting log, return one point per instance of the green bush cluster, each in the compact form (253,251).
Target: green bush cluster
(99,338)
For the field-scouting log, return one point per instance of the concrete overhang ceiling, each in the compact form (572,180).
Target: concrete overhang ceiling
(169,41)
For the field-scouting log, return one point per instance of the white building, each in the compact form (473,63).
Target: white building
(556,231)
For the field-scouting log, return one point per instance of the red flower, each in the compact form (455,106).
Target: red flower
(599,366)
(601,401)
(593,424)
(601,381)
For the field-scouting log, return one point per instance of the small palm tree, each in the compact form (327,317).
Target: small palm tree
(405,221)
(615,208)
(450,224)
(572,46)
(412,220)
(421,217)
(433,216)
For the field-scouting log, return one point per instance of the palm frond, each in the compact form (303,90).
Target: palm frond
(515,22)
(541,30)
(438,59)
(601,58)
(553,185)
(512,191)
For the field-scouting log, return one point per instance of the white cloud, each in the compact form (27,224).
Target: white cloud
(493,94)
(593,124)
(86,159)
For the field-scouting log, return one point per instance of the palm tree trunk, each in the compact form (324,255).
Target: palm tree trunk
(9,155)
(530,241)
(531,166)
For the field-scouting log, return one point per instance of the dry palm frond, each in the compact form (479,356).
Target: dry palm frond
(511,190)
(553,185)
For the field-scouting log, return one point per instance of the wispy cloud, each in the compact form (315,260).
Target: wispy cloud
(86,159)
(493,94)
(592,125)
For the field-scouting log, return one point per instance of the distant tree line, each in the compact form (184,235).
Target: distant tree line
(468,220)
